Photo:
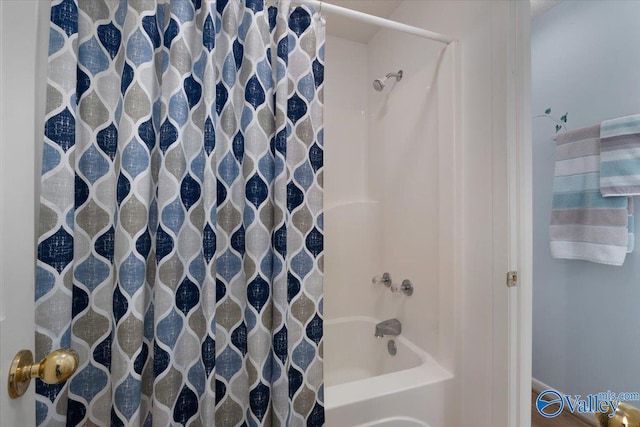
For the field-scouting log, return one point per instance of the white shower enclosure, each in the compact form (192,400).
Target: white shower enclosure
(390,206)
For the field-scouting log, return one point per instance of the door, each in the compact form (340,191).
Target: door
(20,127)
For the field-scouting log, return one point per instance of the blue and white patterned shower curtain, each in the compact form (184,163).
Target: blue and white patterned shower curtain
(181,248)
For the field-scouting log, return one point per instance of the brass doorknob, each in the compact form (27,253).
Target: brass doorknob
(55,368)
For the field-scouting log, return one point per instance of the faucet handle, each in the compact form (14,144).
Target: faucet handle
(405,288)
(385,279)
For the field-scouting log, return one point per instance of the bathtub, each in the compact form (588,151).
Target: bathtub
(365,386)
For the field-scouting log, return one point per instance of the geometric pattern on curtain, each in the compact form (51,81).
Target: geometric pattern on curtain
(180,248)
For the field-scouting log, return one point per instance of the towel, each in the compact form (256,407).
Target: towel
(585,225)
(620,156)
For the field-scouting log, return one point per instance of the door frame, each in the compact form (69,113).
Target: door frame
(520,193)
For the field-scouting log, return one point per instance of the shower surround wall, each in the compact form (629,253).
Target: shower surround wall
(351,219)
(385,146)
(408,123)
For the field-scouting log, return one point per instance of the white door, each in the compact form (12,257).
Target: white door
(19,130)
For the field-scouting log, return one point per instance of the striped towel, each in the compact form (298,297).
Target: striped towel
(620,156)
(585,225)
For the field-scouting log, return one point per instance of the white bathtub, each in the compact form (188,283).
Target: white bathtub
(365,386)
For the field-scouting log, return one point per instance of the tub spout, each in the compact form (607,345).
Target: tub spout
(388,327)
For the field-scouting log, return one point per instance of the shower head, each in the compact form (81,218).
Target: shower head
(379,84)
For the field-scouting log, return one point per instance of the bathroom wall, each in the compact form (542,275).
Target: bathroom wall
(382,180)
(345,92)
(351,218)
(585,61)
(403,175)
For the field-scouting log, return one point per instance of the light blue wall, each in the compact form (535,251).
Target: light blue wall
(586,317)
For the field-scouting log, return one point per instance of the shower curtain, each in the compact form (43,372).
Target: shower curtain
(181,238)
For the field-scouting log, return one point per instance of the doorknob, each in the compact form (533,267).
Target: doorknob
(55,368)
